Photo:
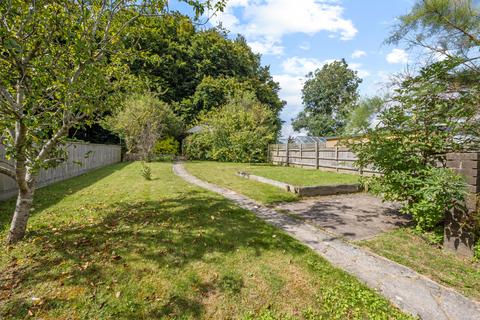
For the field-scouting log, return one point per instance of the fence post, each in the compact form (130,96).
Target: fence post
(301,155)
(336,158)
(316,155)
(287,153)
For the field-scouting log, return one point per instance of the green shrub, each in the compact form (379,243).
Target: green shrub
(434,191)
(142,121)
(240,131)
(476,250)
(419,126)
(168,145)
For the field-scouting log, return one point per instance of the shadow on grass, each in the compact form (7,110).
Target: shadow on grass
(50,195)
(169,234)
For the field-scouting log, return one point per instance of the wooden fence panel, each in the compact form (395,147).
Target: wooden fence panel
(315,156)
(82,157)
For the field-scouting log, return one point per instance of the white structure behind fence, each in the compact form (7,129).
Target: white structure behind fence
(82,157)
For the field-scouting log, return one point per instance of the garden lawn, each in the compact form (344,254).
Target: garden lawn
(301,177)
(225,174)
(111,245)
(410,249)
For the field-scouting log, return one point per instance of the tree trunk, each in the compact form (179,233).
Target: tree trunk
(20,216)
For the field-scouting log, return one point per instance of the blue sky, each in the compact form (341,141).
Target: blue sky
(298,36)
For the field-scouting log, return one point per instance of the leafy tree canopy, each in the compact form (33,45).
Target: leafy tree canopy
(61,65)
(329,95)
(178,60)
(213,93)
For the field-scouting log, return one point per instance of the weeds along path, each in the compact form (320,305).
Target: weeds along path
(408,290)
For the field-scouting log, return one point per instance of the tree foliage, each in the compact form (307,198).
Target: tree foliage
(167,146)
(360,119)
(61,64)
(213,93)
(329,95)
(190,66)
(447,28)
(143,121)
(429,115)
(239,131)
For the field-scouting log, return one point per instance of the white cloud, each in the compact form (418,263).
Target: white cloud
(358,54)
(397,56)
(302,66)
(267,21)
(266,47)
(290,91)
(362,73)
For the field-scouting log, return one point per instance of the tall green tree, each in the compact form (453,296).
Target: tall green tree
(185,65)
(329,96)
(58,63)
(213,93)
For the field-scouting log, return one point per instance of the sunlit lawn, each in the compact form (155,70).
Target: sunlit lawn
(301,176)
(225,174)
(111,245)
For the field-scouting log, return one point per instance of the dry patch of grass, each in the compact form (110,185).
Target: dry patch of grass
(111,245)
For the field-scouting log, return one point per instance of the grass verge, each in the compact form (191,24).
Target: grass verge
(410,249)
(111,245)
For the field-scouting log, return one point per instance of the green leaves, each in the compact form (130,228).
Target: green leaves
(196,70)
(428,116)
(329,95)
(240,131)
(142,121)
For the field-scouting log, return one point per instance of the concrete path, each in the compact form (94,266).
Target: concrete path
(356,216)
(408,290)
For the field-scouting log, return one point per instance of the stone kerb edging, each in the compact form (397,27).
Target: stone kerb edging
(310,191)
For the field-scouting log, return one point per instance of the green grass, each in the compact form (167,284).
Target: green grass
(408,248)
(300,176)
(224,174)
(111,245)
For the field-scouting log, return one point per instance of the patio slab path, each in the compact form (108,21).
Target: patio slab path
(411,292)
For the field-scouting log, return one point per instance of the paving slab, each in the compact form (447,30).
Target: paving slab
(408,290)
(354,216)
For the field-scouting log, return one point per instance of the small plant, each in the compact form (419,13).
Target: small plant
(476,251)
(146,172)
